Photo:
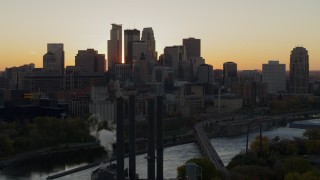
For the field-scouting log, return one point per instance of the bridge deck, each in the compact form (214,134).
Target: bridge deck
(208,150)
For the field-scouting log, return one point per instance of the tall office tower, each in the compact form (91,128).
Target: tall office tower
(229,74)
(130,35)
(274,75)
(173,56)
(115,46)
(90,61)
(299,71)
(53,60)
(148,37)
(193,47)
(205,74)
(151,55)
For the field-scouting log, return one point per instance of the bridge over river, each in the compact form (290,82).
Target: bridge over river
(208,150)
(225,126)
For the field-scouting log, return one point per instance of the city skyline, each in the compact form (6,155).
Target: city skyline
(248,33)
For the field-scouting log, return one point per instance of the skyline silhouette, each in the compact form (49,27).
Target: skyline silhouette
(249,33)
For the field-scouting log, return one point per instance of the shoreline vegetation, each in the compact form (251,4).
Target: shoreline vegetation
(27,137)
(279,159)
(47,136)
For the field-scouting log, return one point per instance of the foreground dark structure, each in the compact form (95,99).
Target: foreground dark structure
(155,140)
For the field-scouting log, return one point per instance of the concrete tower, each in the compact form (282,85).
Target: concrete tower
(299,71)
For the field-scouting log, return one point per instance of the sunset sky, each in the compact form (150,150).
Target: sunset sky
(248,32)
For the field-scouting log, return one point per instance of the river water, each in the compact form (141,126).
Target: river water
(226,147)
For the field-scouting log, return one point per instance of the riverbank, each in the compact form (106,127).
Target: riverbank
(171,142)
(226,147)
(64,148)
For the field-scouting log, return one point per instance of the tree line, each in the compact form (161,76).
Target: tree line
(279,159)
(43,132)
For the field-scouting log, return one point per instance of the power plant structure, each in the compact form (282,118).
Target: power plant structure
(125,110)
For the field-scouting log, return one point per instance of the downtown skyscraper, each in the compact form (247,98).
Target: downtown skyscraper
(230,74)
(299,71)
(53,60)
(130,36)
(274,74)
(193,47)
(148,37)
(115,46)
(90,61)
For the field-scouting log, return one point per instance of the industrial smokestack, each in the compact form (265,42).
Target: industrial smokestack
(132,138)
(159,138)
(120,139)
(151,139)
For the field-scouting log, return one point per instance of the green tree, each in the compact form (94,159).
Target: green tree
(209,171)
(252,172)
(313,146)
(296,164)
(255,145)
(6,146)
(294,176)
(43,132)
(243,159)
(312,134)
(312,175)
(292,148)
